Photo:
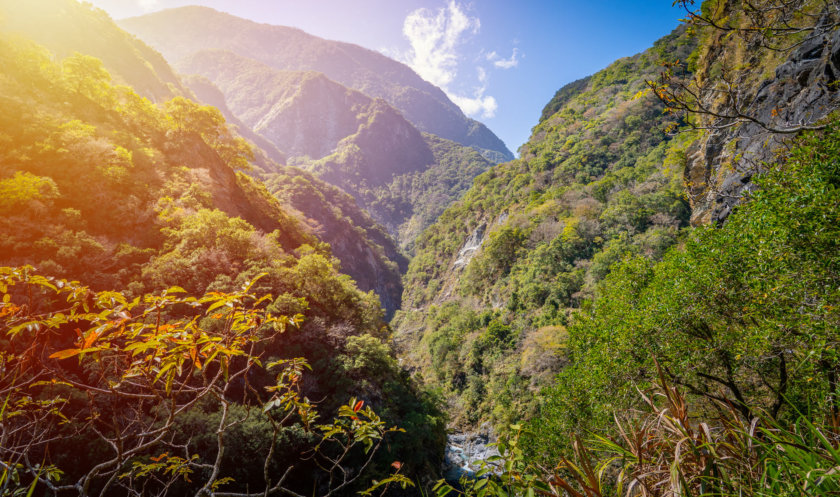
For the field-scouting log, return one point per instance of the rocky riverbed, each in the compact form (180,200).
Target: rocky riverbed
(465,453)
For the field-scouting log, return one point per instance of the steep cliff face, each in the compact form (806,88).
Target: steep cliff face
(782,90)
(178,33)
(367,253)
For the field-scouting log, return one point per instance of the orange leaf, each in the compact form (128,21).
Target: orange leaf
(64,354)
(396,465)
(90,339)
(358,405)
(158,458)
(194,357)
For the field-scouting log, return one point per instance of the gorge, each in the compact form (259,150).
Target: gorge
(239,259)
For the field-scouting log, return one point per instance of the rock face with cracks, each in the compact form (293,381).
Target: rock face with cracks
(802,90)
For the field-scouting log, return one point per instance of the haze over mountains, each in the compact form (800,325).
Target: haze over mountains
(357,119)
(179,33)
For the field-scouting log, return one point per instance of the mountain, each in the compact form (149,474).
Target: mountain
(496,279)
(498,293)
(65,28)
(302,113)
(717,323)
(363,145)
(367,253)
(432,173)
(100,185)
(370,257)
(132,62)
(182,32)
(206,92)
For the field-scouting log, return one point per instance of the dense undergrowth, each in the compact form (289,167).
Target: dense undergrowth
(711,372)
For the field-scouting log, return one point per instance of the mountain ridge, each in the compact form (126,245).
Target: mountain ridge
(184,30)
(360,143)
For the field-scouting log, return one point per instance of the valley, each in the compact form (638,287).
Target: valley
(238,259)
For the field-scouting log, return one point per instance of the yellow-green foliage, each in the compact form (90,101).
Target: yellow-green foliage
(106,187)
(598,181)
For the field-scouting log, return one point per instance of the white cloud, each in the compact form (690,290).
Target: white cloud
(434,36)
(513,61)
(482,105)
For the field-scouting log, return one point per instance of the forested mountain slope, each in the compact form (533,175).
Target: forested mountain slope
(402,177)
(620,165)
(646,302)
(64,28)
(368,253)
(207,93)
(496,278)
(134,63)
(101,185)
(743,311)
(179,33)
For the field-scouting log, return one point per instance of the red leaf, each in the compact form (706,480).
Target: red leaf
(396,465)
(358,405)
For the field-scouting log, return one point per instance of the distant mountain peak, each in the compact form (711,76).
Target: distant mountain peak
(181,32)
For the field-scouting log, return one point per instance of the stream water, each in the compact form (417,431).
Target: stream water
(466,451)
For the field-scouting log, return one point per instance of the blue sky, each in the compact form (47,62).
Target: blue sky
(500,60)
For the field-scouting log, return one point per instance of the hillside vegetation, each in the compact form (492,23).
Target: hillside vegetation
(678,359)
(64,28)
(645,303)
(494,281)
(102,186)
(363,145)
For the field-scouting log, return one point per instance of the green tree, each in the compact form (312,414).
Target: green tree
(188,117)
(120,377)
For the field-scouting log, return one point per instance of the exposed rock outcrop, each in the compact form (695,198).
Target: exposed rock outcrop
(803,90)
